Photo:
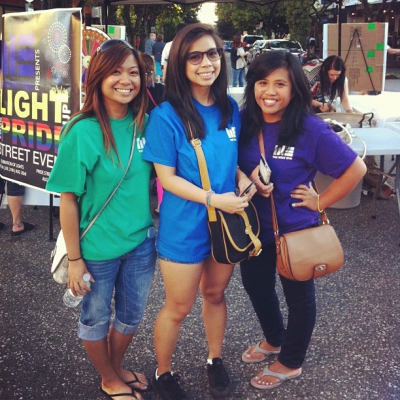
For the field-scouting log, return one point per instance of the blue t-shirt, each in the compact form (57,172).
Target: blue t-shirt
(317,148)
(183,231)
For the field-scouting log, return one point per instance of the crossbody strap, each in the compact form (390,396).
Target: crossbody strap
(275,226)
(116,188)
(151,97)
(205,178)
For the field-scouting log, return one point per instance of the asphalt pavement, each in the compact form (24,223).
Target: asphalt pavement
(353,354)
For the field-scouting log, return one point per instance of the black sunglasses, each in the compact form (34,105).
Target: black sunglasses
(196,57)
(110,43)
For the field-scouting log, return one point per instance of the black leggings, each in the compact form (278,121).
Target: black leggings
(259,276)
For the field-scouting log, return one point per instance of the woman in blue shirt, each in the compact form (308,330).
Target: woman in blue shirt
(196,105)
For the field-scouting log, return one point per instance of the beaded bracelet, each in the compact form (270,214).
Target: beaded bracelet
(75,259)
(318,206)
(208,197)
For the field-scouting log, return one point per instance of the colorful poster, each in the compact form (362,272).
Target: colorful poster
(42,66)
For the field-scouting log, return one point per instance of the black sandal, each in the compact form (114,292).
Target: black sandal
(137,380)
(111,396)
(27,227)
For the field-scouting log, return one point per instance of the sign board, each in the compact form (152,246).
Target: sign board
(363,48)
(42,64)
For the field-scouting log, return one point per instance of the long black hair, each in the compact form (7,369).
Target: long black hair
(178,87)
(300,105)
(336,88)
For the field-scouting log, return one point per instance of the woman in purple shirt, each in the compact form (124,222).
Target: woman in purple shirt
(297,145)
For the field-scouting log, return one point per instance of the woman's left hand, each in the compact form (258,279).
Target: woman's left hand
(243,183)
(307,195)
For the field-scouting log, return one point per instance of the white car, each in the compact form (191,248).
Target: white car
(285,45)
(255,50)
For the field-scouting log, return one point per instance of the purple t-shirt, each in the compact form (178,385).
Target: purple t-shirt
(317,148)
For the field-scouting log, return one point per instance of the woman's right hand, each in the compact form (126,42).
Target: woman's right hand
(76,270)
(229,202)
(262,190)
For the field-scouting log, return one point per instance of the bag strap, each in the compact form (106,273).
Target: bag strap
(151,97)
(205,178)
(205,181)
(116,188)
(275,226)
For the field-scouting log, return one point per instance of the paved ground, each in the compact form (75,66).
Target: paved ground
(354,352)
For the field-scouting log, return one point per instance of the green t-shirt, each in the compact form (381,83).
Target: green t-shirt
(83,168)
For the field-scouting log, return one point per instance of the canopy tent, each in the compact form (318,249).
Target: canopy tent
(187,2)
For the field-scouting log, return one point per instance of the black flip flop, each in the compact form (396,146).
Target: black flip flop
(137,380)
(27,227)
(111,396)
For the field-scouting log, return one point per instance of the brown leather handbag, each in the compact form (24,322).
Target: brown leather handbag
(308,253)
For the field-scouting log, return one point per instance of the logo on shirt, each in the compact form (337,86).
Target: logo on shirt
(283,152)
(231,132)
(140,142)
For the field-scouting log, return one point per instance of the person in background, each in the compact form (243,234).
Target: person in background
(15,192)
(197,105)
(238,60)
(331,83)
(15,196)
(158,47)
(311,45)
(155,92)
(148,45)
(119,249)
(297,144)
(392,51)
(167,48)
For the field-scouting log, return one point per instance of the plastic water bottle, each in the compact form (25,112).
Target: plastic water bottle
(73,301)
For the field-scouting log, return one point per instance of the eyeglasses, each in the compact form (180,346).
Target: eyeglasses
(110,43)
(196,57)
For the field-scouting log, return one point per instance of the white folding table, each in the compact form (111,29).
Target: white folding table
(380,142)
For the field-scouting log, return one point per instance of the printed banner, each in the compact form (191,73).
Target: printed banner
(42,68)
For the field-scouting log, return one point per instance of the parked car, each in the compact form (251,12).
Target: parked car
(227,45)
(286,45)
(255,50)
(248,40)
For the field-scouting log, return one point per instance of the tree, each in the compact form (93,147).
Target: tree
(377,12)
(298,19)
(245,17)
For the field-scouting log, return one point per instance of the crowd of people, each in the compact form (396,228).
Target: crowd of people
(122,110)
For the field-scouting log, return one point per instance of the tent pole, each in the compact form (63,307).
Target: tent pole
(104,13)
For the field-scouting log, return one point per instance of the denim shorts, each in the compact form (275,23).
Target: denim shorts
(13,189)
(131,276)
(163,258)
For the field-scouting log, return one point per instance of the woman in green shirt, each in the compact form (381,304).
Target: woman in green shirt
(118,251)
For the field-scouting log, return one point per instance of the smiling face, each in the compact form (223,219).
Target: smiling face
(204,74)
(121,87)
(273,94)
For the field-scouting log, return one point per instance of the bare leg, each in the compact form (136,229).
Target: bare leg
(110,381)
(214,280)
(15,204)
(117,346)
(179,301)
